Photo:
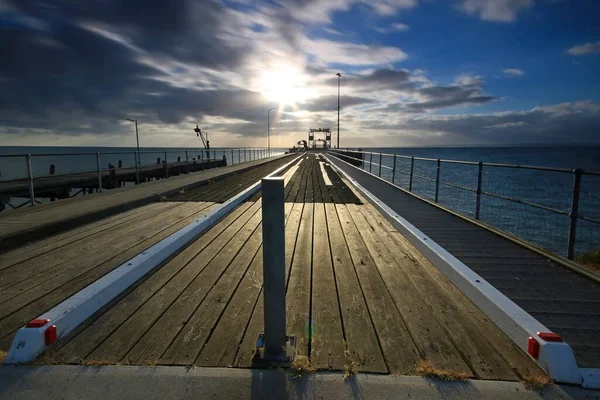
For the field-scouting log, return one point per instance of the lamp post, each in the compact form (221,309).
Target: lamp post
(338,110)
(137,138)
(269,130)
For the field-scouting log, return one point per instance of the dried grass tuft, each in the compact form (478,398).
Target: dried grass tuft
(424,368)
(536,380)
(301,366)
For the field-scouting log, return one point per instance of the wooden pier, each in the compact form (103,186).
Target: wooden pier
(357,290)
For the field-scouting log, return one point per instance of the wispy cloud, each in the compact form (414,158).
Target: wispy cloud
(584,49)
(495,10)
(514,72)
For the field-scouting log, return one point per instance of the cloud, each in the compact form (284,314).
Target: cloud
(513,71)
(495,10)
(567,123)
(351,53)
(400,27)
(319,11)
(584,49)
(329,103)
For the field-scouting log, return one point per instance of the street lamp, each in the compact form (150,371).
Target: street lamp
(338,110)
(137,138)
(269,129)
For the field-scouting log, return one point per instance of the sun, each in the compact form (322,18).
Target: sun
(286,86)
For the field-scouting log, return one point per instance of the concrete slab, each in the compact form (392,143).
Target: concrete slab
(121,382)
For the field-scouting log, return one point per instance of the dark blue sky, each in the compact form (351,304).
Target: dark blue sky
(415,72)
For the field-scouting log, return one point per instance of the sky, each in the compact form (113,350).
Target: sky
(414,72)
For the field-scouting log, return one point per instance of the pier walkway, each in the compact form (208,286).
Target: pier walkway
(357,291)
(563,300)
(28,224)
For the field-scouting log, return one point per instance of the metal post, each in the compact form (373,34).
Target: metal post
(245,155)
(231,156)
(370,162)
(136,157)
(394,169)
(380,160)
(166,166)
(215,155)
(30,175)
(187,163)
(574,213)
(99,172)
(273,231)
(239,156)
(437,180)
(478,192)
(202,158)
(412,166)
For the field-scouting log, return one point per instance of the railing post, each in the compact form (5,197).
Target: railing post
(99,168)
(573,215)
(478,192)
(239,156)
(30,175)
(245,155)
(412,167)
(394,168)
(202,158)
(380,161)
(437,180)
(273,232)
(187,163)
(166,166)
(231,156)
(136,159)
(371,162)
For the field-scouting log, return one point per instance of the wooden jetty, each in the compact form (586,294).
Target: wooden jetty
(357,291)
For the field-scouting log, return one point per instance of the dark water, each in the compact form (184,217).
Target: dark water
(547,226)
(531,204)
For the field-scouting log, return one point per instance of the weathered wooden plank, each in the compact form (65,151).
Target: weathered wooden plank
(57,241)
(188,343)
(87,338)
(399,349)
(31,273)
(430,338)
(128,335)
(152,345)
(33,309)
(299,286)
(479,354)
(361,339)
(327,341)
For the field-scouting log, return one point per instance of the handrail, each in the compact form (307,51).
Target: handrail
(574,214)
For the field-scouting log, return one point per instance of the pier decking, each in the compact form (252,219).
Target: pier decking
(561,299)
(356,290)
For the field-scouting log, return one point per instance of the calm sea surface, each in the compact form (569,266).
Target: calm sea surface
(508,202)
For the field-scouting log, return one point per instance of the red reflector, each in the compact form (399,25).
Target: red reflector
(37,323)
(533,347)
(50,335)
(550,337)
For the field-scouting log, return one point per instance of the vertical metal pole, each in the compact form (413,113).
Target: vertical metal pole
(245,155)
(187,163)
(239,156)
(215,155)
(136,156)
(478,192)
(394,169)
(166,166)
(370,162)
(99,172)
(338,110)
(437,180)
(412,167)
(574,213)
(380,161)
(30,175)
(202,158)
(273,231)
(231,156)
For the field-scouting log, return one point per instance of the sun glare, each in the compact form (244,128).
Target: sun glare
(284,86)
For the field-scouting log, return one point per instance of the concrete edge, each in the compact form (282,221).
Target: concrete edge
(30,235)
(161,382)
(32,340)
(556,358)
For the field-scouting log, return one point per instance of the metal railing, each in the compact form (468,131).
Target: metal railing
(22,176)
(554,208)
